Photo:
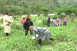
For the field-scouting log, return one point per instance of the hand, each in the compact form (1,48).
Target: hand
(7,24)
(12,21)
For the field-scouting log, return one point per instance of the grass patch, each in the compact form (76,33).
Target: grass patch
(65,38)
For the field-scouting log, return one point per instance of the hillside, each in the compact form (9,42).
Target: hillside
(44,3)
(71,3)
(27,4)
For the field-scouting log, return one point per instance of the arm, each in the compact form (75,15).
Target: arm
(9,21)
(24,24)
(36,35)
(32,23)
(36,31)
(6,21)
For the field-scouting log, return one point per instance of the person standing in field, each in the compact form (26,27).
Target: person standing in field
(22,22)
(65,21)
(54,22)
(41,33)
(7,24)
(59,21)
(28,17)
(48,22)
(26,25)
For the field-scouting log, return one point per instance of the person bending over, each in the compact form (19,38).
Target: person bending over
(41,33)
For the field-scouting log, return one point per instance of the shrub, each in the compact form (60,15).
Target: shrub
(1,21)
(44,20)
(16,26)
(1,28)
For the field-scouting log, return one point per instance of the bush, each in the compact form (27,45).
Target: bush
(44,20)
(1,28)
(62,15)
(1,21)
(16,26)
(66,10)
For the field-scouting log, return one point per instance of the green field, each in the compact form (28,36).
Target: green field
(65,38)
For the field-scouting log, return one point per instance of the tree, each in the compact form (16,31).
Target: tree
(45,10)
(38,9)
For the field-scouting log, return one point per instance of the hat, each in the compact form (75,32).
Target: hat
(28,19)
(23,16)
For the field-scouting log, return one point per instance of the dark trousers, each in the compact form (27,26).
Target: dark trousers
(65,23)
(7,34)
(51,39)
(48,24)
(40,42)
(26,32)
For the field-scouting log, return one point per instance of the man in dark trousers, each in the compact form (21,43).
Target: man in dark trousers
(41,33)
(48,22)
(26,25)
